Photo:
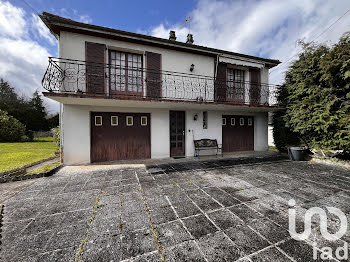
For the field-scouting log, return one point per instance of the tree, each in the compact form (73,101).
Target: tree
(317,88)
(30,112)
(11,130)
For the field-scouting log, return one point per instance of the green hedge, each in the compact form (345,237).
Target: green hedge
(11,130)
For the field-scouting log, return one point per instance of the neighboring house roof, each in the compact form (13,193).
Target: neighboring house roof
(57,23)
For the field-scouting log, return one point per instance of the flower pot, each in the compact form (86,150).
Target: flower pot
(297,153)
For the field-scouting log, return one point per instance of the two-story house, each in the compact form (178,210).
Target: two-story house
(131,96)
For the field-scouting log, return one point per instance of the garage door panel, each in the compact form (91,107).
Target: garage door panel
(120,141)
(238,133)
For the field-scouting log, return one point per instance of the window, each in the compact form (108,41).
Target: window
(114,120)
(205,120)
(125,72)
(250,122)
(241,121)
(224,121)
(143,120)
(98,120)
(233,121)
(129,121)
(235,84)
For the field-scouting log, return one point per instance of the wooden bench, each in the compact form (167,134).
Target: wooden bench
(205,144)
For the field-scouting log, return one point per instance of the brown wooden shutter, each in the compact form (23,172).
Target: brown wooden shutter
(221,83)
(95,67)
(254,89)
(153,75)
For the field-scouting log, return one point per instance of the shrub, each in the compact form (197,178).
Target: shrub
(283,136)
(56,136)
(11,130)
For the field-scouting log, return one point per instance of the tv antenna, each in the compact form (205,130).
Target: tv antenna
(187,20)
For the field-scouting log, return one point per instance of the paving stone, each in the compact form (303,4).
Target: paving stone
(26,246)
(199,226)
(245,213)
(67,237)
(187,251)
(103,247)
(202,200)
(61,216)
(270,254)
(217,247)
(137,243)
(186,208)
(162,215)
(299,250)
(221,196)
(224,218)
(246,239)
(148,257)
(269,230)
(172,233)
(61,255)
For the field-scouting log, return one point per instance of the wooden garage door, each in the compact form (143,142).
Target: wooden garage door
(237,133)
(116,136)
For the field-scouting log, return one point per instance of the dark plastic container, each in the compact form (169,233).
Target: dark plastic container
(297,153)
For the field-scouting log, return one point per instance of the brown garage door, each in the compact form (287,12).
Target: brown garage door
(237,133)
(116,136)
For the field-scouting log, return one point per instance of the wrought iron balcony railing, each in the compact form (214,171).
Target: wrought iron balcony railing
(81,77)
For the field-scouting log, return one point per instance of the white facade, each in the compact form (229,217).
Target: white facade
(76,130)
(75,112)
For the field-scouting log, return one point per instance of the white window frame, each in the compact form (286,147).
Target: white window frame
(96,117)
(233,123)
(250,121)
(144,117)
(224,121)
(241,121)
(116,117)
(132,120)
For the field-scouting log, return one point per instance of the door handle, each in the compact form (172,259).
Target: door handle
(183,132)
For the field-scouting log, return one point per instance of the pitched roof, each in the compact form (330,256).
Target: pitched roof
(57,23)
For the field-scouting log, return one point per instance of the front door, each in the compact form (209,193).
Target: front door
(177,133)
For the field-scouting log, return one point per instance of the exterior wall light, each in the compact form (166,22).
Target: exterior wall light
(192,67)
(195,117)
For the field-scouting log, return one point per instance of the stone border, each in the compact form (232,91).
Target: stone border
(1,217)
(20,169)
(5,179)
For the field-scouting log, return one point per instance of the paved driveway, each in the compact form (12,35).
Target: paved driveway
(191,211)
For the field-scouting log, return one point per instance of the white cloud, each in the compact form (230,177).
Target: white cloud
(264,28)
(23,61)
(40,28)
(85,19)
(12,23)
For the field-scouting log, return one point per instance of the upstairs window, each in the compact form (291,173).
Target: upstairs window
(235,84)
(125,72)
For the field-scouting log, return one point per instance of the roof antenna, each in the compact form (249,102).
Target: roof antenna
(187,20)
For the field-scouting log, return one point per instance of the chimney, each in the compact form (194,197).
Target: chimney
(189,39)
(172,35)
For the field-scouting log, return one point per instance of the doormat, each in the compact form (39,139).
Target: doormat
(178,157)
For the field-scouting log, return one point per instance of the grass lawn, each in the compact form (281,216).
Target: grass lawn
(14,155)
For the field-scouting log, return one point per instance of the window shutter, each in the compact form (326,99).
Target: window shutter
(95,67)
(221,83)
(153,75)
(254,90)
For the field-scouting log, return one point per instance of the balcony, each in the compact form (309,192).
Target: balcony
(65,76)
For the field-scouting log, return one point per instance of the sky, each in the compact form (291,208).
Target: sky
(269,28)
